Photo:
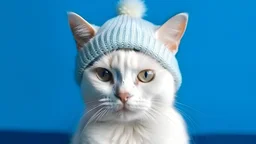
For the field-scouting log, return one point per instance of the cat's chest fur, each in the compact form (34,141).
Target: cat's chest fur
(117,134)
(164,131)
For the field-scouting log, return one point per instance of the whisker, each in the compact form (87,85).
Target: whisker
(104,113)
(181,104)
(104,99)
(88,102)
(151,116)
(147,117)
(99,114)
(89,121)
(191,121)
(93,116)
(161,104)
(88,111)
(176,102)
(194,124)
(97,100)
(162,114)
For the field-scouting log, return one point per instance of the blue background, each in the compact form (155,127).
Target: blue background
(216,56)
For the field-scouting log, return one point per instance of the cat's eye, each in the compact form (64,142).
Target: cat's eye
(146,76)
(103,74)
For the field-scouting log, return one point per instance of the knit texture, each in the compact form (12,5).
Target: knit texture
(127,32)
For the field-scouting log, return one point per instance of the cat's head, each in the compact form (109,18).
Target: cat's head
(127,84)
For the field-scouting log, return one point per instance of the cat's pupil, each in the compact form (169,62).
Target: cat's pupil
(104,73)
(146,74)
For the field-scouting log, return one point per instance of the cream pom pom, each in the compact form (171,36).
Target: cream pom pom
(134,8)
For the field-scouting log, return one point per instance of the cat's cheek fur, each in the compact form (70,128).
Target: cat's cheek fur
(161,89)
(92,88)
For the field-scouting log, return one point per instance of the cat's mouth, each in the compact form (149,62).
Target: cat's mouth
(127,113)
(124,108)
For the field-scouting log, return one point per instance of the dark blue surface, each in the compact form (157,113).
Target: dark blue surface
(62,138)
(8,137)
(217,60)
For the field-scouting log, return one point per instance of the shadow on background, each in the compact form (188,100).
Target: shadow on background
(9,137)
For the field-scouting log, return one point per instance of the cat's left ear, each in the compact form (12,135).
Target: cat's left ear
(82,30)
(172,31)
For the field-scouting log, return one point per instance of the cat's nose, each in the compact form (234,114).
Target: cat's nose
(123,96)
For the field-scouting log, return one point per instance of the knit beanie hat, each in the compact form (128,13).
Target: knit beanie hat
(129,31)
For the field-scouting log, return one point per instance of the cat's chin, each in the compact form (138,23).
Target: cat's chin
(128,117)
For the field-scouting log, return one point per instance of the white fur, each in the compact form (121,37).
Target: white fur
(151,119)
(135,8)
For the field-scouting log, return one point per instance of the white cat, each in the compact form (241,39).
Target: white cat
(129,96)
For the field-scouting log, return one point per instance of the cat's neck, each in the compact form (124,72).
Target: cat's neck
(134,132)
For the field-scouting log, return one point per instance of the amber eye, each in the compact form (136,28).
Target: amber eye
(103,74)
(146,76)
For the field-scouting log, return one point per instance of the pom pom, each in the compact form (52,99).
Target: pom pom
(134,8)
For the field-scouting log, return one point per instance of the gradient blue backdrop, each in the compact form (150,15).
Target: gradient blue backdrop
(217,59)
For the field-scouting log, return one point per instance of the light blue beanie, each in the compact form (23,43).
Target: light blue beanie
(127,31)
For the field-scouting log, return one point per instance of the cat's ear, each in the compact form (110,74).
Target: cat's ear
(172,31)
(81,29)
